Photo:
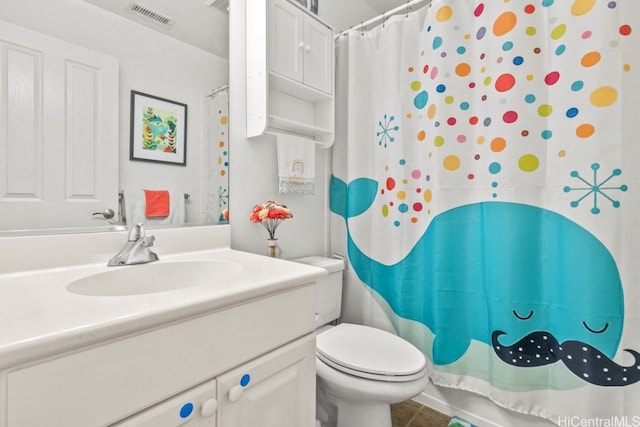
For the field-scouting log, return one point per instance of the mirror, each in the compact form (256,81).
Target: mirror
(59,117)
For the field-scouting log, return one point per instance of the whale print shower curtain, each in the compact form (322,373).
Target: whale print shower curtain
(486,184)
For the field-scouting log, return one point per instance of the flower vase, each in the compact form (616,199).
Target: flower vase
(272,248)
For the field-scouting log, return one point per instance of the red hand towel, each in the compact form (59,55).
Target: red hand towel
(157,203)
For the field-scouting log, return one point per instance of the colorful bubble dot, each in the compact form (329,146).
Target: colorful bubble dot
(626,67)
(451,121)
(558,32)
(577,85)
(528,163)
(478,10)
(401,195)
(420,101)
(530,31)
(403,208)
(586,35)
(463,69)
(537,50)
(451,163)
(552,78)
(425,69)
(506,46)
(529,9)
(561,49)
(427,196)
(449,100)
(441,88)
(585,130)
(524,133)
(471,177)
(417,207)
(505,82)
(545,110)
(495,168)
(590,59)
(444,14)
(431,111)
(473,120)
(518,60)
(416,85)
(510,117)
(547,3)
(422,135)
(572,112)
(504,23)
(562,153)
(612,5)
(461,139)
(581,7)
(603,96)
(385,210)
(546,134)
(416,174)
(481,33)
(498,144)
(438,141)
(464,106)
(390,184)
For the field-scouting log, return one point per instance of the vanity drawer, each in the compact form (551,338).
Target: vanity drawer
(104,384)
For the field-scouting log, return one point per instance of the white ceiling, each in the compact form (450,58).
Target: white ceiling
(206,27)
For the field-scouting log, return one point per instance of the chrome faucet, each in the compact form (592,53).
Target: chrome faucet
(136,250)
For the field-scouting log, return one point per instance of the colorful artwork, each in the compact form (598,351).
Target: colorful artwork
(158,129)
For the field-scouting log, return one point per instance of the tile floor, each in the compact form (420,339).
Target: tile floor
(413,414)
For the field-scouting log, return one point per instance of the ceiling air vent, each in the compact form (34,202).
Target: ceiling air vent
(150,15)
(221,5)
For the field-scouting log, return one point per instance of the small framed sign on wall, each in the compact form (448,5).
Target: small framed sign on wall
(158,129)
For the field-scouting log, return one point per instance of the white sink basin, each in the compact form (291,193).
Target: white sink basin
(155,277)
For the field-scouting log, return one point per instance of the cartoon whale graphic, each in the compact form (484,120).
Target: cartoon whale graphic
(521,274)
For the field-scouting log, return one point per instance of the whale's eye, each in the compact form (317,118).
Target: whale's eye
(527,317)
(600,331)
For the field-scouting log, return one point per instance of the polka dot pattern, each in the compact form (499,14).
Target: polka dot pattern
(499,87)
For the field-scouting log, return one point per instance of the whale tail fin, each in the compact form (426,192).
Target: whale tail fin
(352,199)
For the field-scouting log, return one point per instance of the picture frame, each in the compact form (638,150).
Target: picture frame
(303,3)
(158,129)
(313,6)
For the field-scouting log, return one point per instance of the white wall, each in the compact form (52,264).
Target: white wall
(253,174)
(150,62)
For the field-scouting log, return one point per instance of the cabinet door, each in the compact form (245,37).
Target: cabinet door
(318,55)
(275,390)
(286,44)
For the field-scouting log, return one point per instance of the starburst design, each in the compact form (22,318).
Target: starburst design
(386,129)
(223,197)
(596,188)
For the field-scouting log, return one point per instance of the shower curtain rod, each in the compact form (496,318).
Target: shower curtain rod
(385,15)
(216,91)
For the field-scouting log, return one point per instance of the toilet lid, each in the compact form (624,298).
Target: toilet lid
(370,353)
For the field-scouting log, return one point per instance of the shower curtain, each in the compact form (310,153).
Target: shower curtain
(485,186)
(217,162)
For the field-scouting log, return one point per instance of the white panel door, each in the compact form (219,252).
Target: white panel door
(318,55)
(286,45)
(275,390)
(58,132)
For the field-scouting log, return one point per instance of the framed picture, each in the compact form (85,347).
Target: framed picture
(158,129)
(303,3)
(314,6)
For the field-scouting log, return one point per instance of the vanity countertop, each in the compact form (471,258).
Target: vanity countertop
(39,317)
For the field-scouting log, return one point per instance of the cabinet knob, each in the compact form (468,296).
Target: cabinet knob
(209,407)
(301,45)
(235,392)
(307,48)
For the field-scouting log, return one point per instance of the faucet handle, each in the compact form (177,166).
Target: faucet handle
(148,240)
(136,233)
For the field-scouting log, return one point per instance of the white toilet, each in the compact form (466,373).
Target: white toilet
(360,370)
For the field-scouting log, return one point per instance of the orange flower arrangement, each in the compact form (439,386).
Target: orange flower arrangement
(270,215)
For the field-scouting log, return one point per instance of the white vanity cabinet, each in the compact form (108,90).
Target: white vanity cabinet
(290,71)
(252,364)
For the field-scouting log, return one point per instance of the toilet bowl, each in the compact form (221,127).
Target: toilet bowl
(360,370)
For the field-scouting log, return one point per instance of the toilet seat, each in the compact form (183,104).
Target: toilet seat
(370,353)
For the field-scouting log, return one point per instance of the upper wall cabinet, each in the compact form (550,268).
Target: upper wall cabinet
(290,72)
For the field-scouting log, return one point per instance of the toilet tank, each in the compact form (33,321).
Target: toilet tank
(328,288)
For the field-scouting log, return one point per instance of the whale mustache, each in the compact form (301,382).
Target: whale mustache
(583,360)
